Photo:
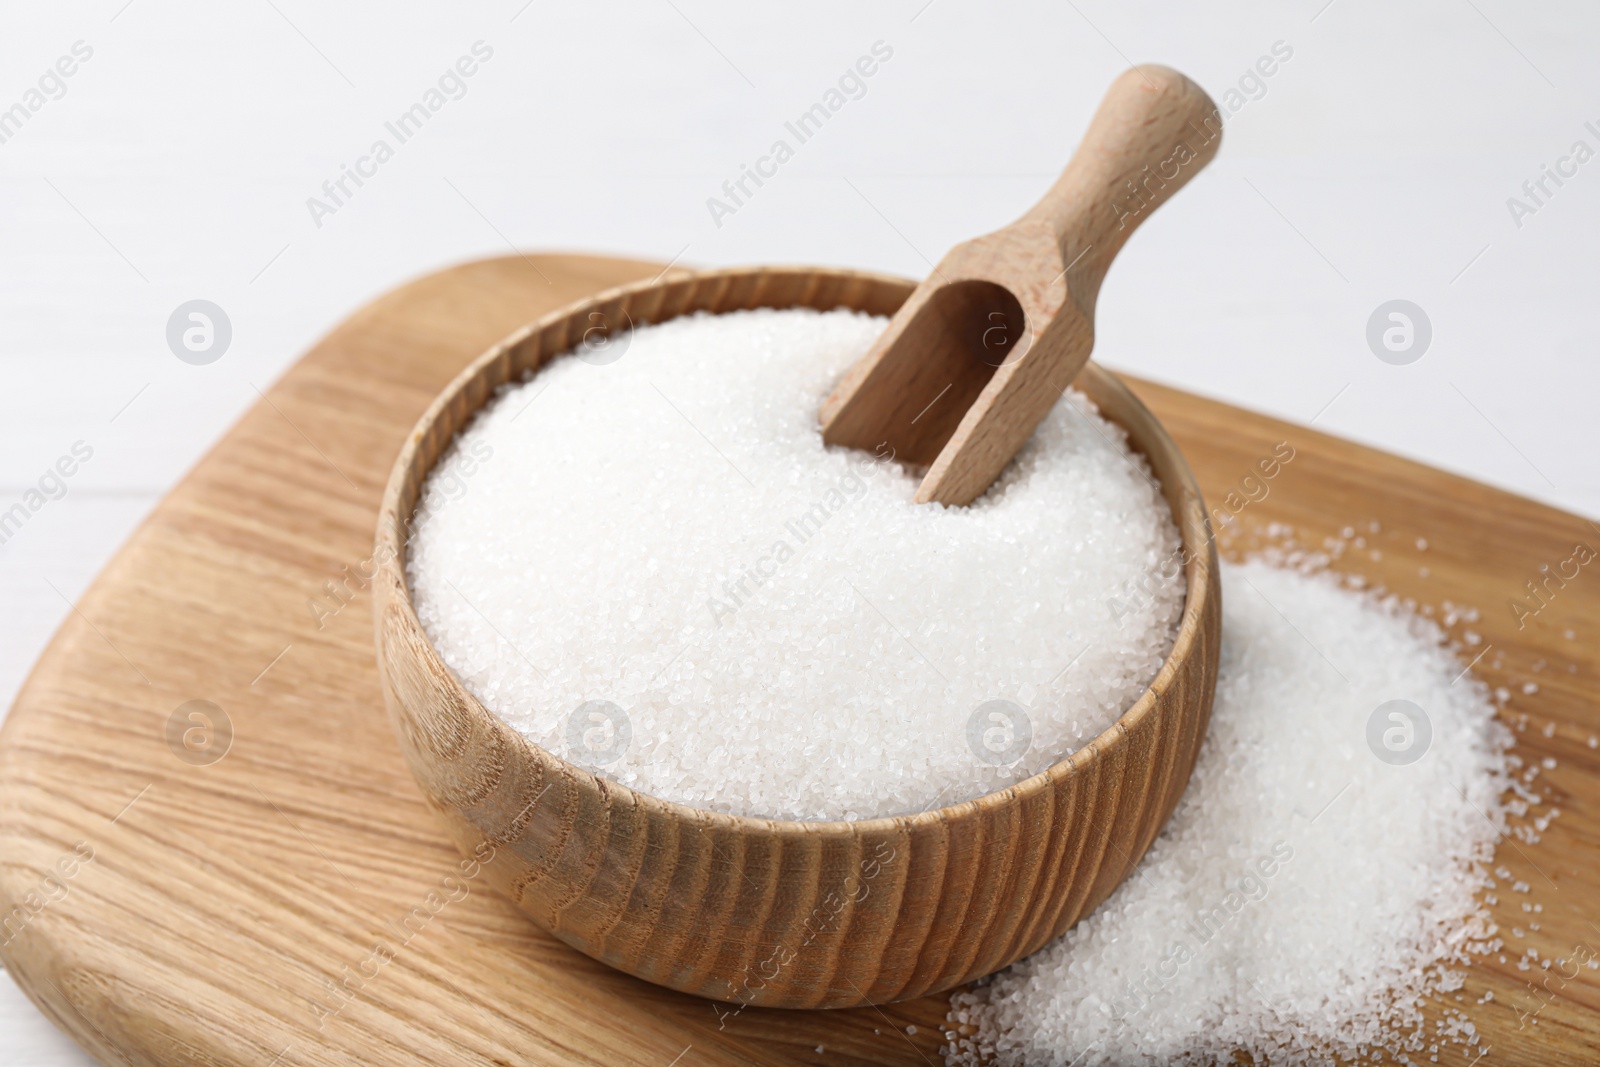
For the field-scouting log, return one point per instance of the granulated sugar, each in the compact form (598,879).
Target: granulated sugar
(654,568)
(1312,886)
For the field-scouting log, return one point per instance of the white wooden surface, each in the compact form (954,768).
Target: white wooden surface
(1376,164)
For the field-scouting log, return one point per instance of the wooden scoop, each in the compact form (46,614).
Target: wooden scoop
(984,347)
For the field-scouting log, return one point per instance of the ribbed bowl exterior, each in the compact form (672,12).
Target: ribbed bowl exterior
(772,913)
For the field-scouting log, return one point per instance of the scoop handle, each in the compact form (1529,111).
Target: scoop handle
(1154,131)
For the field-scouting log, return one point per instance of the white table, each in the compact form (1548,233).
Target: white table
(1375,163)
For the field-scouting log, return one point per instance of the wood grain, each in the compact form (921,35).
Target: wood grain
(765,912)
(225,902)
(985,345)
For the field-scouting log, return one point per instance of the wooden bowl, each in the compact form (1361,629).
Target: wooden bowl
(774,913)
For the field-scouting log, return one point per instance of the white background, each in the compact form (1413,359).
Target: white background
(1376,165)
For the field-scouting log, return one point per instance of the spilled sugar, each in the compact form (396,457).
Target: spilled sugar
(654,568)
(1307,894)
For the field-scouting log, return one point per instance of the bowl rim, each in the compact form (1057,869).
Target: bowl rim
(1193,526)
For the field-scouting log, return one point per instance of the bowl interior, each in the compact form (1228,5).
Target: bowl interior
(608,317)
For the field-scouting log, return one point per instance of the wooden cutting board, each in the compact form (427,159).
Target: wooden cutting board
(229,900)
